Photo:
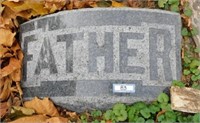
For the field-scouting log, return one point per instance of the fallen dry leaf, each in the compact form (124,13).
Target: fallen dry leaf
(26,111)
(57,120)
(19,89)
(7,37)
(4,108)
(3,50)
(5,88)
(14,0)
(117,4)
(7,18)
(72,116)
(13,65)
(1,7)
(44,106)
(16,75)
(16,101)
(31,119)
(35,7)
(79,4)
(92,4)
(135,3)
(53,5)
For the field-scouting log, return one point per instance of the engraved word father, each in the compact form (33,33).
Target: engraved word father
(101,53)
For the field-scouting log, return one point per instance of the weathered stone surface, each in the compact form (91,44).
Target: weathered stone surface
(195,5)
(92,58)
(185,99)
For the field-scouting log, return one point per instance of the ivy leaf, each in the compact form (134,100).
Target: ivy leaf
(178,83)
(166,6)
(163,98)
(170,116)
(196,118)
(195,77)
(96,113)
(154,109)
(184,32)
(173,1)
(174,8)
(150,121)
(132,114)
(108,115)
(117,108)
(140,105)
(187,11)
(161,117)
(186,72)
(123,116)
(196,86)
(120,112)
(95,121)
(165,106)
(194,31)
(194,63)
(161,3)
(197,50)
(103,121)
(145,113)
(196,71)
(140,120)
(184,119)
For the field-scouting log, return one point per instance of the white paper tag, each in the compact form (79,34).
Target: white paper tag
(123,88)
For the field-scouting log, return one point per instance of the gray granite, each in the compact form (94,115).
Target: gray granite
(93,58)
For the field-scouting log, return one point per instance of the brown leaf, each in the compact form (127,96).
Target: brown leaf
(16,6)
(92,4)
(16,101)
(44,106)
(14,0)
(16,75)
(1,7)
(72,116)
(31,119)
(36,7)
(13,65)
(53,5)
(4,109)
(79,3)
(26,111)
(57,120)
(19,89)
(7,18)
(5,90)
(135,3)
(7,37)
(117,4)
(3,50)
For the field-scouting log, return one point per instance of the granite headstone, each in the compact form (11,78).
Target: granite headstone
(92,58)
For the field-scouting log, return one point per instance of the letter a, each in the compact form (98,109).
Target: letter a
(46,59)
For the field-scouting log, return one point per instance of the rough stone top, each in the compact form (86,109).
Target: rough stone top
(124,16)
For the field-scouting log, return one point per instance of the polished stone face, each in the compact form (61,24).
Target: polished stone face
(92,58)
